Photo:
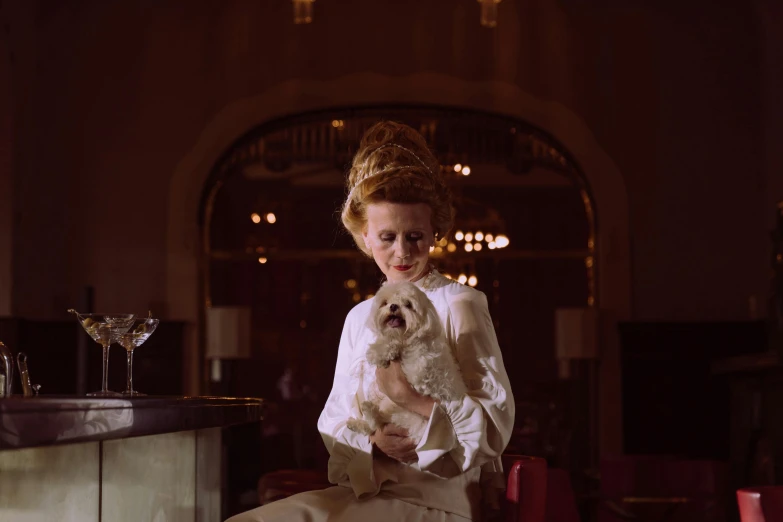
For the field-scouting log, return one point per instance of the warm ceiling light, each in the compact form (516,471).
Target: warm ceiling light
(270,218)
(351,283)
(489,237)
(489,12)
(303,11)
(457,167)
(477,247)
(462,278)
(466,171)
(468,247)
(473,280)
(255,218)
(459,235)
(501,241)
(469,236)
(432,249)
(262,260)
(479,236)
(452,247)
(492,245)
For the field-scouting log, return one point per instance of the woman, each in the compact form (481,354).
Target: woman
(397,208)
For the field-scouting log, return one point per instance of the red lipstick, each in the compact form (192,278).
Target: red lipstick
(402,268)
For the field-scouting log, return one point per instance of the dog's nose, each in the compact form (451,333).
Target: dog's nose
(394,308)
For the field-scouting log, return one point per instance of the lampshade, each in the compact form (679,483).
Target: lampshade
(576,333)
(228,332)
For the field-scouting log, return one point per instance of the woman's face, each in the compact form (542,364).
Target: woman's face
(400,235)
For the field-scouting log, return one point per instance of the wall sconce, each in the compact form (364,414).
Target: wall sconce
(228,337)
(576,337)
(303,11)
(489,12)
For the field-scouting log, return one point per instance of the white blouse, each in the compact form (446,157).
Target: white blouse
(461,447)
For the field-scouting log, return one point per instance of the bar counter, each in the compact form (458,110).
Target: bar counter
(126,459)
(48,420)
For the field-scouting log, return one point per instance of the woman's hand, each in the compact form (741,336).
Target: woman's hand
(394,385)
(393,441)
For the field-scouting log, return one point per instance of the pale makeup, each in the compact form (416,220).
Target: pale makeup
(400,235)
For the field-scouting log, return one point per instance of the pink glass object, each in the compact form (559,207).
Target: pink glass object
(761,504)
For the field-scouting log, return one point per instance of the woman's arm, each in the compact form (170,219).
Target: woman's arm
(476,428)
(350,452)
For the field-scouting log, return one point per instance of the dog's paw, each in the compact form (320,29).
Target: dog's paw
(370,409)
(372,415)
(359,426)
(379,355)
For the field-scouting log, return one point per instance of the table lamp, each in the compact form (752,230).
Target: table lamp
(576,337)
(228,337)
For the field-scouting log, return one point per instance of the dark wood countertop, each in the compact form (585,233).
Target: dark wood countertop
(51,420)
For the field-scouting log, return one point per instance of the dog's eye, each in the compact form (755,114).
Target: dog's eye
(383,303)
(408,304)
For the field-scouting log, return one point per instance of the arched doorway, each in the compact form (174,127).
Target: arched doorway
(297,96)
(525,236)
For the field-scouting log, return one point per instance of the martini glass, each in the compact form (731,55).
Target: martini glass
(132,339)
(105,329)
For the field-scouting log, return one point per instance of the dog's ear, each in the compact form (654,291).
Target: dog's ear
(432,323)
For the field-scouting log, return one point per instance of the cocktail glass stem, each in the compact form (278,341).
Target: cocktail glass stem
(129,384)
(105,379)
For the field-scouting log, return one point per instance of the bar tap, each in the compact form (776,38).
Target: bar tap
(7,375)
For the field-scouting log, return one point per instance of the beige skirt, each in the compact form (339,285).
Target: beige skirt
(339,503)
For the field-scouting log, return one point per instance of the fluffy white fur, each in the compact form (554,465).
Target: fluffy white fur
(408,329)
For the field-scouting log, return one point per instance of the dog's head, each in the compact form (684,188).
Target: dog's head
(403,309)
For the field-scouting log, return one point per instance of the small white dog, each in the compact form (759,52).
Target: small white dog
(408,328)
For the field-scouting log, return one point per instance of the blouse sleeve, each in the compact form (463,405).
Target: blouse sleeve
(476,428)
(350,452)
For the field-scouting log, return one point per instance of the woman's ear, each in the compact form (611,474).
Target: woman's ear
(366,239)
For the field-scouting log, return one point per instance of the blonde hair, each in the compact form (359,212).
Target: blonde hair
(394,164)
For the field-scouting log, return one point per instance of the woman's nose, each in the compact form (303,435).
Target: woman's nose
(394,308)
(403,249)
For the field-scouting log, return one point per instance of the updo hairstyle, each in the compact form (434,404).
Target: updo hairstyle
(394,164)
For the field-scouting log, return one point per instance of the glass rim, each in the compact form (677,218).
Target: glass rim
(108,313)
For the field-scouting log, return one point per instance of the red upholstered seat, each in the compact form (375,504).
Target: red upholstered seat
(761,504)
(526,484)
(560,501)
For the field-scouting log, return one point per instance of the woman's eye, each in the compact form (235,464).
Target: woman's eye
(414,237)
(387,238)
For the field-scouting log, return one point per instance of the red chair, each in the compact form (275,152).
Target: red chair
(761,504)
(526,488)
(560,500)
